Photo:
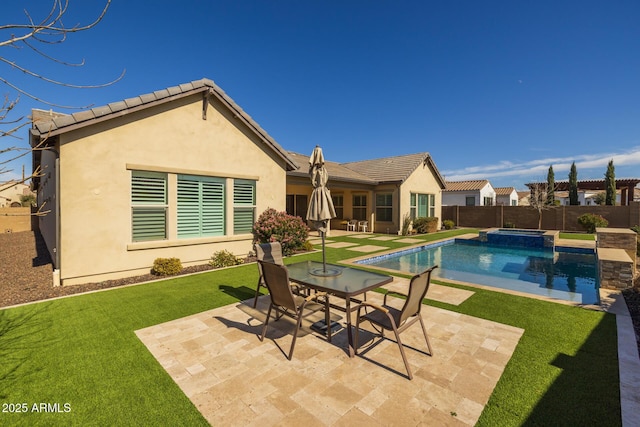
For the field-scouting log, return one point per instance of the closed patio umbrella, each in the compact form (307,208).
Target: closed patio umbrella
(321,208)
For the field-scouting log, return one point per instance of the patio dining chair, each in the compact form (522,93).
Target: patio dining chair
(269,252)
(352,224)
(285,302)
(362,226)
(391,319)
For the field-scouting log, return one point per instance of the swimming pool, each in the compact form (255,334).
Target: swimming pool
(559,274)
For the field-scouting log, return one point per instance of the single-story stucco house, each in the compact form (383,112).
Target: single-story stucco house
(469,193)
(506,196)
(184,172)
(181,172)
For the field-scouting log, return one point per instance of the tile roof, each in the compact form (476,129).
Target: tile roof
(466,185)
(504,191)
(373,172)
(335,170)
(51,124)
(390,169)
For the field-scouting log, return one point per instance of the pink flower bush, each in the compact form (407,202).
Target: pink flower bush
(274,226)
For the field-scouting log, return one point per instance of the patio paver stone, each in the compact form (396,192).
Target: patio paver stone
(233,378)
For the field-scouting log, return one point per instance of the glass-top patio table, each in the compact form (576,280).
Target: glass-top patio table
(346,283)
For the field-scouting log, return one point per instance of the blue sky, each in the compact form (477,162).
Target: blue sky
(494,89)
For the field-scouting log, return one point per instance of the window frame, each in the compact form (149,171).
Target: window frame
(359,206)
(422,202)
(152,206)
(200,217)
(241,206)
(384,211)
(338,205)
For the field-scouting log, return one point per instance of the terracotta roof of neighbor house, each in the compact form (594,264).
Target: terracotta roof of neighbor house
(52,123)
(504,191)
(335,170)
(396,168)
(590,184)
(466,185)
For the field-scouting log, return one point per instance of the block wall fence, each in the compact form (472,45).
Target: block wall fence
(563,218)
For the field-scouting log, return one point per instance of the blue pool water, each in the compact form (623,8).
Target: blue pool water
(555,274)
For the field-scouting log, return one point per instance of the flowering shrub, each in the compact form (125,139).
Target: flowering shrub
(591,221)
(274,226)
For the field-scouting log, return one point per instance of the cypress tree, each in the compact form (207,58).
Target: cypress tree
(573,185)
(551,185)
(610,184)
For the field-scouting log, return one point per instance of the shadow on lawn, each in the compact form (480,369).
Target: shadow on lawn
(22,334)
(587,391)
(241,293)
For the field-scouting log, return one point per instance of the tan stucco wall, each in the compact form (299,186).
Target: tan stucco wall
(423,181)
(95,185)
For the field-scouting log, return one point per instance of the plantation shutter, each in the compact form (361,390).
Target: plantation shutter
(244,203)
(149,206)
(432,205)
(422,205)
(200,206)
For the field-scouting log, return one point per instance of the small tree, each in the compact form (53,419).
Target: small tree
(538,200)
(610,184)
(551,185)
(573,185)
(599,199)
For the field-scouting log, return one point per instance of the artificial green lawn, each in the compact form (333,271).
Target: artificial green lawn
(83,351)
(578,236)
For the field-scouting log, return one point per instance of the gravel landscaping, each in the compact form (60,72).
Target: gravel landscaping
(26,270)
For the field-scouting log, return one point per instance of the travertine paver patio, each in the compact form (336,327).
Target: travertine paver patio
(215,357)
(340,244)
(366,248)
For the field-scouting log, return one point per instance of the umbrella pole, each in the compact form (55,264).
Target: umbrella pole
(324,259)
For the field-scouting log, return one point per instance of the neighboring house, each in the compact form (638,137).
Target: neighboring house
(10,193)
(585,198)
(523,198)
(380,191)
(506,196)
(469,193)
(588,189)
(182,172)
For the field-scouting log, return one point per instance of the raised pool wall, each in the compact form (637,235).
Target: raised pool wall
(616,254)
(522,238)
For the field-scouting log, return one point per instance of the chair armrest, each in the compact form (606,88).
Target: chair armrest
(394,293)
(372,305)
(315,296)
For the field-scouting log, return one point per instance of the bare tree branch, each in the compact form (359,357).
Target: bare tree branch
(50,30)
(32,37)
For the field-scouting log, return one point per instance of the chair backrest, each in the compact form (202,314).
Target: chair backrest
(276,277)
(270,252)
(418,288)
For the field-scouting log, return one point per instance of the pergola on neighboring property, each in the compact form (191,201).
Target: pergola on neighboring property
(626,187)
